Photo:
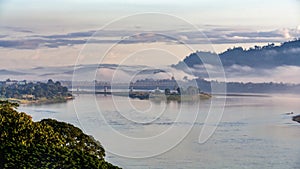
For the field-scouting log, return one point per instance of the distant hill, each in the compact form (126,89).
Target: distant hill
(269,56)
(9,72)
(250,87)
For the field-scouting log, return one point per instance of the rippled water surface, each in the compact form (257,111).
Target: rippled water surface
(254,132)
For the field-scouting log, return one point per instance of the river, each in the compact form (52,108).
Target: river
(254,132)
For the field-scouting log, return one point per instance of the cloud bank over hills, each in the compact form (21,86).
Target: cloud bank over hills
(258,64)
(270,56)
(224,35)
(100,72)
(267,63)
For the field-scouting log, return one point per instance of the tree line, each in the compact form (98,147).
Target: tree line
(37,90)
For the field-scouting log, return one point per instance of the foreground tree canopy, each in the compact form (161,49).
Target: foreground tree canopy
(45,144)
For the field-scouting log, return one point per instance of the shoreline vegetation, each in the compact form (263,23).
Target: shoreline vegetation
(170,97)
(23,92)
(191,94)
(40,101)
(45,144)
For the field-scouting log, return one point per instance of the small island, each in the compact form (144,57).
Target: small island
(24,92)
(190,94)
(296,118)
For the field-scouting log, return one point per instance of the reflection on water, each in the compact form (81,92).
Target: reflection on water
(255,132)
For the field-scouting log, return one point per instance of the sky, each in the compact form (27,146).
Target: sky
(200,12)
(35,33)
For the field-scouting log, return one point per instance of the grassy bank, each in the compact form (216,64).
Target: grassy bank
(42,100)
(201,96)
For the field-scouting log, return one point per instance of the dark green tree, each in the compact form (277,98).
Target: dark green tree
(46,144)
(75,138)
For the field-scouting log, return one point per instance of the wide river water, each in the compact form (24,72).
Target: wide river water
(254,131)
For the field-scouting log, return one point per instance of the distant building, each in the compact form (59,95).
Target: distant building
(23,82)
(11,82)
(28,96)
(2,83)
(151,84)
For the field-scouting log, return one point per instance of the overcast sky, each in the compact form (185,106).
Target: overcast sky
(257,13)
(37,33)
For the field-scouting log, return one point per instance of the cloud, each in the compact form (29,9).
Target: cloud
(237,73)
(261,34)
(239,68)
(11,73)
(149,38)
(286,33)
(56,41)
(45,43)
(285,73)
(125,73)
(17,29)
(83,34)
(102,72)
(3,36)
(210,35)
(222,36)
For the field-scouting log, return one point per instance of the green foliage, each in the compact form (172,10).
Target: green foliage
(75,138)
(16,155)
(42,156)
(19,128)
(49,90)
(7,104)
(45,144)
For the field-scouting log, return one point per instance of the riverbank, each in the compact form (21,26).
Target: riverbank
(39,101)
(148,95)
(176,97)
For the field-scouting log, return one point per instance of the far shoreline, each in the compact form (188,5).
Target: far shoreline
(245,94)
(215,94)
(41,101)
